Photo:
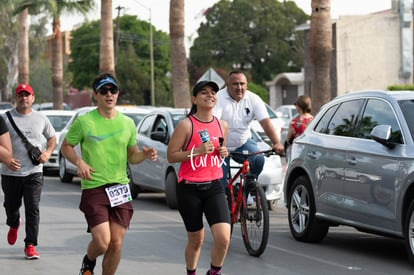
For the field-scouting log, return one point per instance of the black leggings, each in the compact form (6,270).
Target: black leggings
(196,199)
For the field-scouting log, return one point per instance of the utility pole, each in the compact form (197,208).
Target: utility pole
(119,8)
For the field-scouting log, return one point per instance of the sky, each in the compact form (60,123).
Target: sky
(158,11)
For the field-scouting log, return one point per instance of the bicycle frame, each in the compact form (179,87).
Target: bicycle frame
(242,173)
(237,200)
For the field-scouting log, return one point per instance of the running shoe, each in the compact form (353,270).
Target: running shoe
(31,253)
(12,235)
(87,266)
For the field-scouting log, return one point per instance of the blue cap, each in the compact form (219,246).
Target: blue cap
(105,81)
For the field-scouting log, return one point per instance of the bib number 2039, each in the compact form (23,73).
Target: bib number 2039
(118,194)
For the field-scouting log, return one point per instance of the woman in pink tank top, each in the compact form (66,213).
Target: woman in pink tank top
(198,142)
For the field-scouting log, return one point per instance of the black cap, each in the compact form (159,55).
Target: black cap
(200,85)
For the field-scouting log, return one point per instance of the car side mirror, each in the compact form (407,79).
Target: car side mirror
(382,134)
(159,136)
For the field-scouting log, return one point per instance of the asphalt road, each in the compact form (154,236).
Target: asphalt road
(155,243)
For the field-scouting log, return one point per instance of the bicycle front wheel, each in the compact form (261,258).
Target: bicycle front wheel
(255,220)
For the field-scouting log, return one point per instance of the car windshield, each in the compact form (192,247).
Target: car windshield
(177,118)
(272,113)
(59,122)
(135,117)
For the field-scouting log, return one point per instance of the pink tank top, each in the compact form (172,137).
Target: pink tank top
(202,168)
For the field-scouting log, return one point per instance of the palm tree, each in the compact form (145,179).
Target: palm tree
(23,47)
(179,73)
(56,8)
(106,50)
(320,46)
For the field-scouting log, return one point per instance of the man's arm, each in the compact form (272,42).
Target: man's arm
(84,170)
(271,133)
(50,146)
(136,156)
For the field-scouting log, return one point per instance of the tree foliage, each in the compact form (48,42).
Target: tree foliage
(9,51)
(133,68)
(255,35)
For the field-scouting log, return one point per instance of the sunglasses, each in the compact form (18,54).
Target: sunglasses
(104,91)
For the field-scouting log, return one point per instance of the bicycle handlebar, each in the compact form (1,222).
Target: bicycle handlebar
(247,154)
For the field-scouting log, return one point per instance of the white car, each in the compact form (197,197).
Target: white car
(277,122)
(59,119)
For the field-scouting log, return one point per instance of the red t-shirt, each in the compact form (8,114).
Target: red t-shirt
(300,125)
(201,168)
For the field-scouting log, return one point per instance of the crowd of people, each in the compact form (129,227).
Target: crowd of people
(216,125)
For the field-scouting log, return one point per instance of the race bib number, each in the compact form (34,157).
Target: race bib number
(118,194)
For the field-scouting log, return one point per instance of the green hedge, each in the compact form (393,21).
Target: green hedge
(408,87)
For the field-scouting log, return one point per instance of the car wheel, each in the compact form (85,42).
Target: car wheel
(303,224)
(132,186)
(409,233)
(271,204)
(171,190)
(63,173)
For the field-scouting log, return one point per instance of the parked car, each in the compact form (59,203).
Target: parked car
(155,130)
(59,119)
(5,105)
(68,170)
(353,166)
(277,122)
(286,112)
(48,106)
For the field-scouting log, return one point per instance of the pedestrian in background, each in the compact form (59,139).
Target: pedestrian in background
(23,179)
(198,142)
(108,141)
(298,124)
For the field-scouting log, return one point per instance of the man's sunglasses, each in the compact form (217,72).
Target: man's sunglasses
(104,91)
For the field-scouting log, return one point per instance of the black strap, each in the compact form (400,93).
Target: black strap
(15,127)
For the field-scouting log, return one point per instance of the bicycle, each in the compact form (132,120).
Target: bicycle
(248,205)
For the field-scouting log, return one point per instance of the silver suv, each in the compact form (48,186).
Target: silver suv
(354,165)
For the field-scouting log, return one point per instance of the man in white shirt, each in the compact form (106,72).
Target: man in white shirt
(239,107)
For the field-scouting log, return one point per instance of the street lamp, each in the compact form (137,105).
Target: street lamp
(151,55)
(152,63)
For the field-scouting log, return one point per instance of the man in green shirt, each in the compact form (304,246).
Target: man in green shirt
(108,142)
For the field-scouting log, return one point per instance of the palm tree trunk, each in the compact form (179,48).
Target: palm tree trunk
(57,65)
(23,47)
(106,50)
(179,73)
(320,43)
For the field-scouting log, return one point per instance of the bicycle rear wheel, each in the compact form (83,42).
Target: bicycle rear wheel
(255,220)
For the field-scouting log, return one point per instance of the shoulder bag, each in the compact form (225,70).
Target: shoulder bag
(34,151)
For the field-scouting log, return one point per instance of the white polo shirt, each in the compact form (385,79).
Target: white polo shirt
(238,115)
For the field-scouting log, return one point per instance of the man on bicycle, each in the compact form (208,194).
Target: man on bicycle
(239,107)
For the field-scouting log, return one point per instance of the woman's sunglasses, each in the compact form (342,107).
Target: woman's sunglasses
(104,91)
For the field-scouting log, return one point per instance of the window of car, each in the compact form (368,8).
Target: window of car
(146,125)
(340,120)
(378,112)
(160,125)
(322,125)
(344,119)
(407,108)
